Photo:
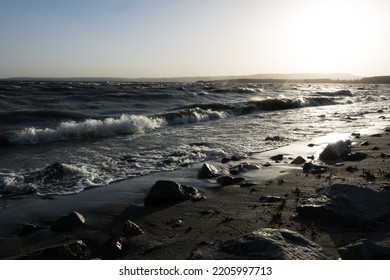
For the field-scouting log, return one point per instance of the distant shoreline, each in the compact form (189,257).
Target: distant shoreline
(275,78)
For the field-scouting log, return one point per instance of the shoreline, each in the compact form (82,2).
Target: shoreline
(174,231)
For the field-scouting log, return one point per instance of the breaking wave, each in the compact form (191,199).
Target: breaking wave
(132,124)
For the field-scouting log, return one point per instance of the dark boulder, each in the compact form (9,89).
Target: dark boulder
(243,167)
(262,244)
(270,198)
(311,168)
(163,192)
(68,222)
(130,229)
(348,205)
(228,180)
(365,250)
(298,160)
(277,157)
(207,171)
(355,156)
(28,228)
(335,151)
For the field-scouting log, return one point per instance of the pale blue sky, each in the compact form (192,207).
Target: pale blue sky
(150,38)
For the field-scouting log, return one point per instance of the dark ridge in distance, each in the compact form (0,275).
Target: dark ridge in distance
(274,78)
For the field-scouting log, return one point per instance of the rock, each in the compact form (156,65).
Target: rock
(375,148)
(225,160)
(28,228)
(365,143)
(55,170)
(262,244)
(376,135)
(274,138)
(68,222)
(335,151)
(365,250)
(247,184)
(163,192)
(73,250)
(311,145)
(130,229)
(266,164)
(277,157)
(228,180)
(351,169)
(311,168)
(348,204)
(243,167)
(298,160)
(270,198)
(207,171)
(355,156)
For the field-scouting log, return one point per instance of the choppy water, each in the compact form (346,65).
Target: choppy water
(64,137)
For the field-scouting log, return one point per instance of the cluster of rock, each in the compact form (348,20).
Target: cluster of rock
(78,249)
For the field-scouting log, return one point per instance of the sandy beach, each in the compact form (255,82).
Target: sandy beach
(176,230)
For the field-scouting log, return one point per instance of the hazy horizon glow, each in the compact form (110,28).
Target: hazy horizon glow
(172,38)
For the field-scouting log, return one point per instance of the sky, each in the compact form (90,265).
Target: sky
(179,38)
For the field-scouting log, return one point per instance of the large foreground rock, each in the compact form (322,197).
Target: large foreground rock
(348,204)
(335,151)
(262,244)
(163,192)
(366,250)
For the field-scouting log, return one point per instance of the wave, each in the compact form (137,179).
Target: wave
(343,92)
(88,129)
(132,124)
(57,178)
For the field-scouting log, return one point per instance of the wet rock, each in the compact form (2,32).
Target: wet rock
(311,168)
(225,160)
(247,184)
(207,171)
(351,169)
(376,135)
(228,180)
(298,160)
(130,229)
(163,192)
(355,157)
(266,164)
(274,138)
(311,145)
(277,157)
(243,167)
(375,148)
(262,244)
(28,228)
(365,143)
(55,170)
(66,223)
(365,250)
(335,151)
(73,250)
(270,198)
(348,204)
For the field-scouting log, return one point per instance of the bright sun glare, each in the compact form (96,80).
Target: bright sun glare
(330,35)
